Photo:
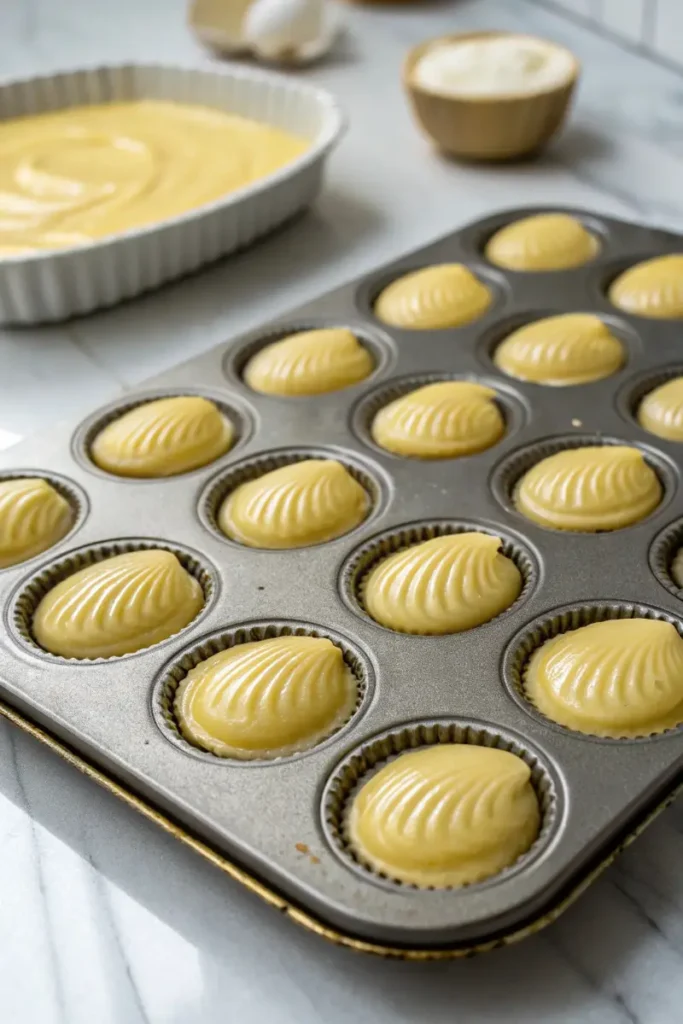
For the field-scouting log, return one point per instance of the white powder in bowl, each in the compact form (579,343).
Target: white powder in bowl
(493,66)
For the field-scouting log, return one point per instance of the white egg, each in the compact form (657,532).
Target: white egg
(293,30)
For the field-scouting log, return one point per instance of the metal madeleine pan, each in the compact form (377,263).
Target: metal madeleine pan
(57,284)
(282,821)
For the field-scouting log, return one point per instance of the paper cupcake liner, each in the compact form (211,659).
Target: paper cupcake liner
(367,408)
(169,679)
(359,565)
(75,495)
(50,286)
(86,433)
(365,761)
(563,620)
(508,473)
(251,468)
(377,343)
(636,389)
(663,550)
(29,593)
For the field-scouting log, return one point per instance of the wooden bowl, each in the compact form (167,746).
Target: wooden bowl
(488,127)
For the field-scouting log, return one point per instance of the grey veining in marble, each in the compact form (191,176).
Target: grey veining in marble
(105,920)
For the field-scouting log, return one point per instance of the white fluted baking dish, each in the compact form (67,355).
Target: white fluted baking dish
(50,286)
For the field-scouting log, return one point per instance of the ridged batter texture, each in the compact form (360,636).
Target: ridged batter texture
(622,677)
(309,363)
(653,288)
(661,412)
(69,177)
(547,241)
(33,517)
(307,502)
(589,489)
(447,815)
(266,699)
(444,585)
(120,605)
(440,421)
(560,351)
(434,298)
(163,438)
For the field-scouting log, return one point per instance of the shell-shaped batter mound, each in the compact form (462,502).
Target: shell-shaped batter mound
(120,605)
(653,288)
(309,363)
(444,585)
(447,815)
(266,699)
(440,421)
(307,502)
(589,489)
(622,677)
(573,348)
(547,241)
(661,412)
(434,298)
(163,438)
(33,517)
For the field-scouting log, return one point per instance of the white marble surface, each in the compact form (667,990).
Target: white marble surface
(103,920)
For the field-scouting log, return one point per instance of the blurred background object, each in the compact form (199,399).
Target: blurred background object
(278,31)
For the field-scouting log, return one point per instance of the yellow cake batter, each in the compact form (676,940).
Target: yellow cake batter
(622,677)
(307,502)
(652,289)
(73,176)
(309,363)
(440,421)
(560,351)
(163,438)
(547,241)
(266,699)
(589,489)
(447,815)
(443,585)
(434,298)
(118,606)
(661,412)
(33,517)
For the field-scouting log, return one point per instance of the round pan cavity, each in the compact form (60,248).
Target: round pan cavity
(512,408)
(378,344)
(494,337)
(171,676)
(508,473)
(253,467)
(86,433)
(355,570)
(563,620)
(663,550)
(365,760)
(595,227)
(639,387)
(75,495)
(30,591)
(370,289)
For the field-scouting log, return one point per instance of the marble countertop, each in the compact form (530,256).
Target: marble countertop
(102,917)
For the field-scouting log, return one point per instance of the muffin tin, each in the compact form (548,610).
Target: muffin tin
(279,824)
